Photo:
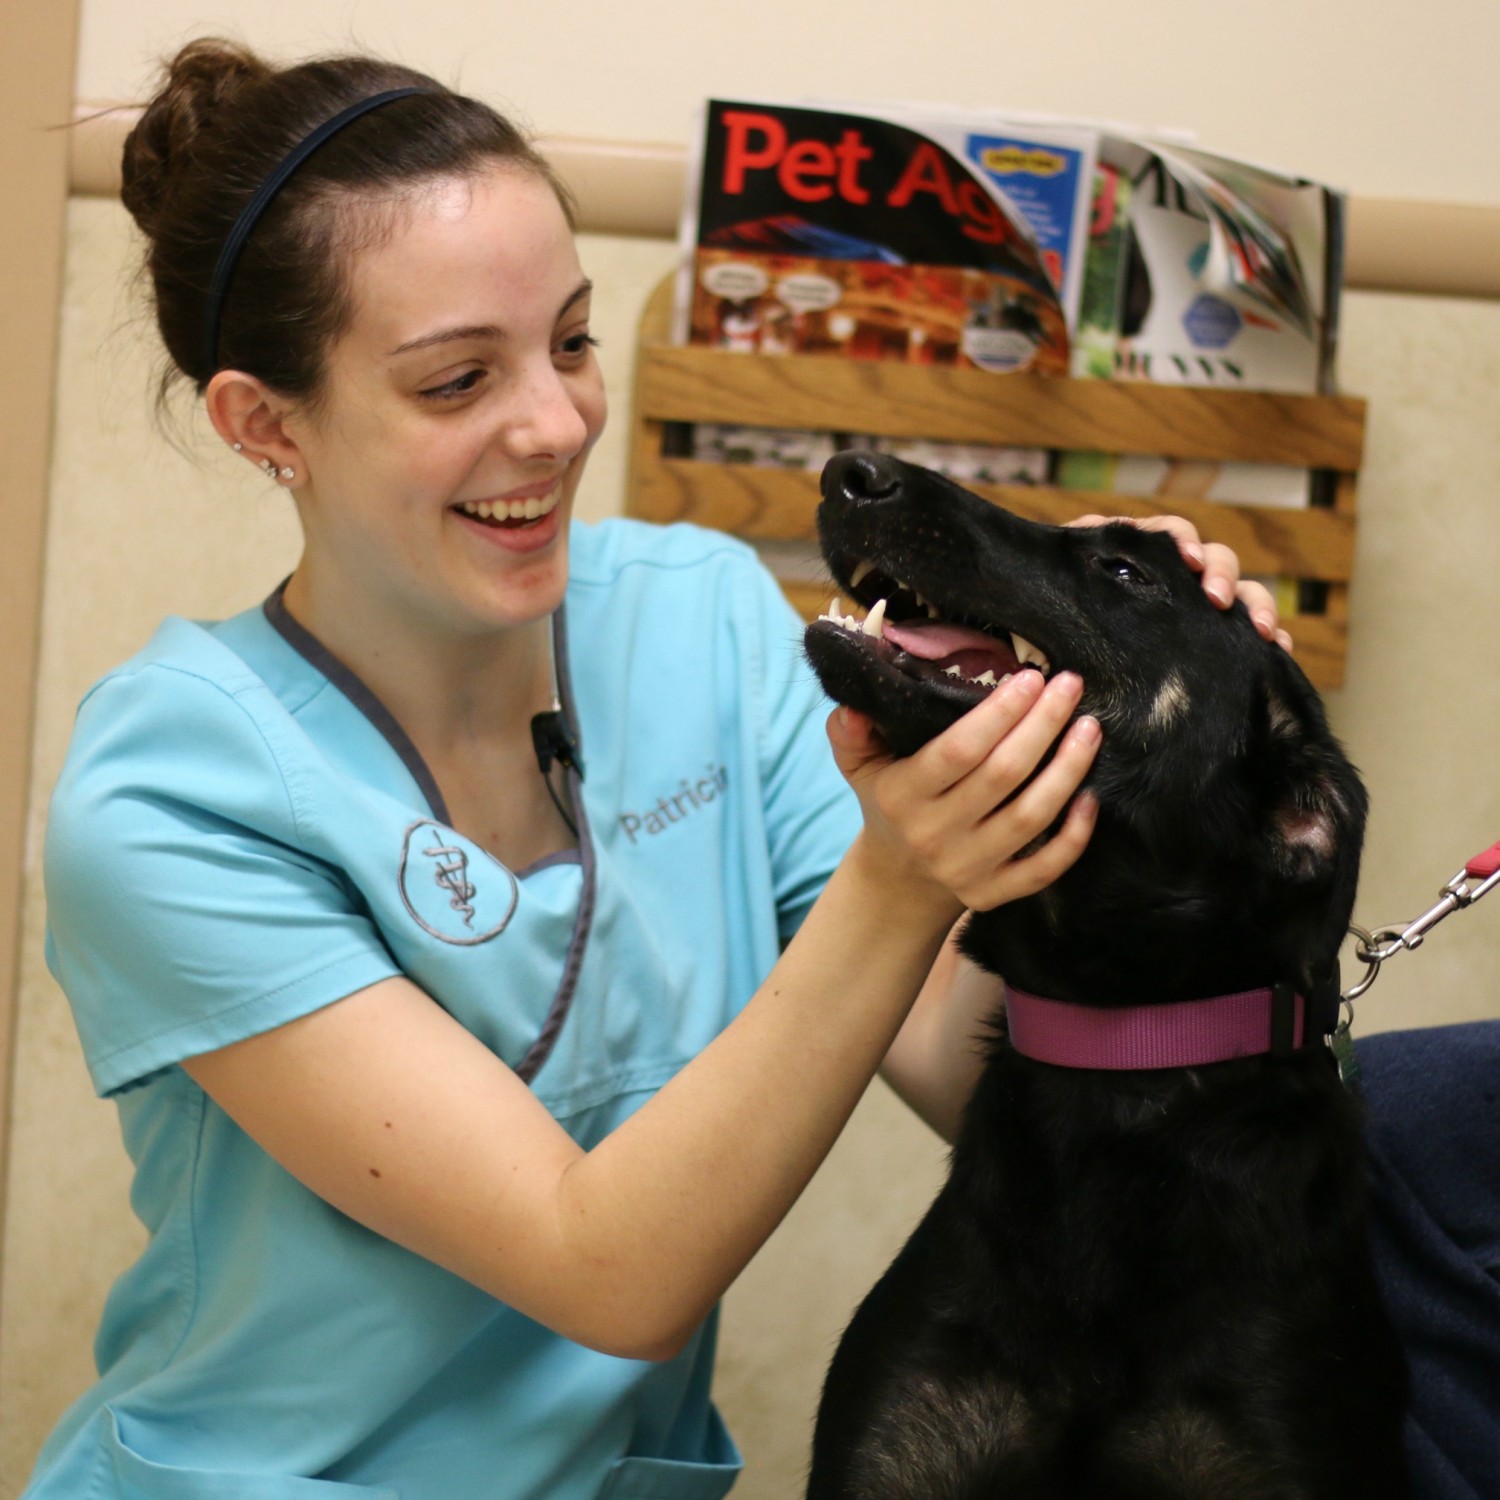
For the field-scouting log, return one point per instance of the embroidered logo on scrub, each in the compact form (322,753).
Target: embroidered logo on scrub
(452,888)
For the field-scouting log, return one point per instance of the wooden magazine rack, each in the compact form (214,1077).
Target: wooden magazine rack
(819,393)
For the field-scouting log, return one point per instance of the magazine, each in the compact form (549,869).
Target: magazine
(975,238)
(821,231)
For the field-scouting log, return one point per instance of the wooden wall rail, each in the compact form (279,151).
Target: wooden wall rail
(973,406)
(764,504)
(635,188)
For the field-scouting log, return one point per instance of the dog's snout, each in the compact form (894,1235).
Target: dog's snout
(857,477)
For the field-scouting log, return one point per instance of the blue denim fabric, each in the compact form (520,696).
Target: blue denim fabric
(1433,1098)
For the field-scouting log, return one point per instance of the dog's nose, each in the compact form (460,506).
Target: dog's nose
(858,476)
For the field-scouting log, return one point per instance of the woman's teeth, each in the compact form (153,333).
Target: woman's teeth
(510,510)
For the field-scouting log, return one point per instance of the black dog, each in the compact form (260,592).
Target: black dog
(1139,1283)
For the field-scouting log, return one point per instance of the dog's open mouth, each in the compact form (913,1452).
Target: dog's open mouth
(912,635)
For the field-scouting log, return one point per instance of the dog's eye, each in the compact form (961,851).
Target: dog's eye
(1122,569)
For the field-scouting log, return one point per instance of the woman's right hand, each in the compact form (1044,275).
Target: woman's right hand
(960,818)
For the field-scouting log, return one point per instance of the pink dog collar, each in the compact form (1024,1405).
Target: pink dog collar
(1183,1034)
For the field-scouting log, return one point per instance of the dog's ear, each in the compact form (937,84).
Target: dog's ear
(1312,805)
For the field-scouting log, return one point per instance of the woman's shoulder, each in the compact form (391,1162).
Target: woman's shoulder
(186,712)
(602,551)
(183,659)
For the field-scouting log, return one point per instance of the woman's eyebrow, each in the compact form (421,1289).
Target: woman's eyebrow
(578,293)
(449,336)
(484,330)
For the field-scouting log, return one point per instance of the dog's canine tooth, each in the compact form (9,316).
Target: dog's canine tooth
(1026,652)
(875,620)
(862,570)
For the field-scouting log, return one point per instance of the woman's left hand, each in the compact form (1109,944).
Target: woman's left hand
(1219,566)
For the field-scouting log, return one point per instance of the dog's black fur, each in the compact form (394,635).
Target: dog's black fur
(1134,1286)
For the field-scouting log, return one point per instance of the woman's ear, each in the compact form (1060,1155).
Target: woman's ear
(251,418)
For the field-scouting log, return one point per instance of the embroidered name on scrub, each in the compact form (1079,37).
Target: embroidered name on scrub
(678,805)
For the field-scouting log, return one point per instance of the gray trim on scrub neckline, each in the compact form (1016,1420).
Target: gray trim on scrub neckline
(541,1048)
(348,682)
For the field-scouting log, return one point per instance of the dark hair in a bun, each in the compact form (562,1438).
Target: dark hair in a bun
(218,126)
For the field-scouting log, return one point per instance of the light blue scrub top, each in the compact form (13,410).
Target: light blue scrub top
(237,840)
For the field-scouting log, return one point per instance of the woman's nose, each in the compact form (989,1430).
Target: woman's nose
(546,420)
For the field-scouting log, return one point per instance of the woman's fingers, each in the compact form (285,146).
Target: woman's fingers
(1025,876)
(961,749)
(959,801)
(1260,603)
(1221,573)
(1013,759)
(857,745)
(984,868)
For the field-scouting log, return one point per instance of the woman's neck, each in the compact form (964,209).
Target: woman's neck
(447,689)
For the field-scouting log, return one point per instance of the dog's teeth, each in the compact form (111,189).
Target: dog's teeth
(862,570)
(875,620)
(932,612)
(986,678)
(952,672)
(844,622)
(1026,652)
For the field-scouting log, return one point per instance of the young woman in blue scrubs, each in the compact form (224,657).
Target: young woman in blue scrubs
(479,940)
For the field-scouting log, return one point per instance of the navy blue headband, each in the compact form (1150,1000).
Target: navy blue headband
(245,224)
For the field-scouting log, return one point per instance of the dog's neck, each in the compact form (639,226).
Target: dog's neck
(1120,929)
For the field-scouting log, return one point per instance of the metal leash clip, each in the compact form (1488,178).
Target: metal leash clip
(1372,949)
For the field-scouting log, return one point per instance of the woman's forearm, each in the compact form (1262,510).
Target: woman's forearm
(664,1213)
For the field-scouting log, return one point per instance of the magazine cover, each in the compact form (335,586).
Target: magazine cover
(821,231)
(1043,166)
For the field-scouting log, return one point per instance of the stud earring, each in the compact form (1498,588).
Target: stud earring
(268,468)
(237,447)
(288,474)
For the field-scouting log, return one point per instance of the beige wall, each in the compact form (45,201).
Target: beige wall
(137,528)
(1380,96)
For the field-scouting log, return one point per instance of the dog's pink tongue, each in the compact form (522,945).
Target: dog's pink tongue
(952,645)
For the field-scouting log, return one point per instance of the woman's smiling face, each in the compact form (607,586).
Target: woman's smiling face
(458,410)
